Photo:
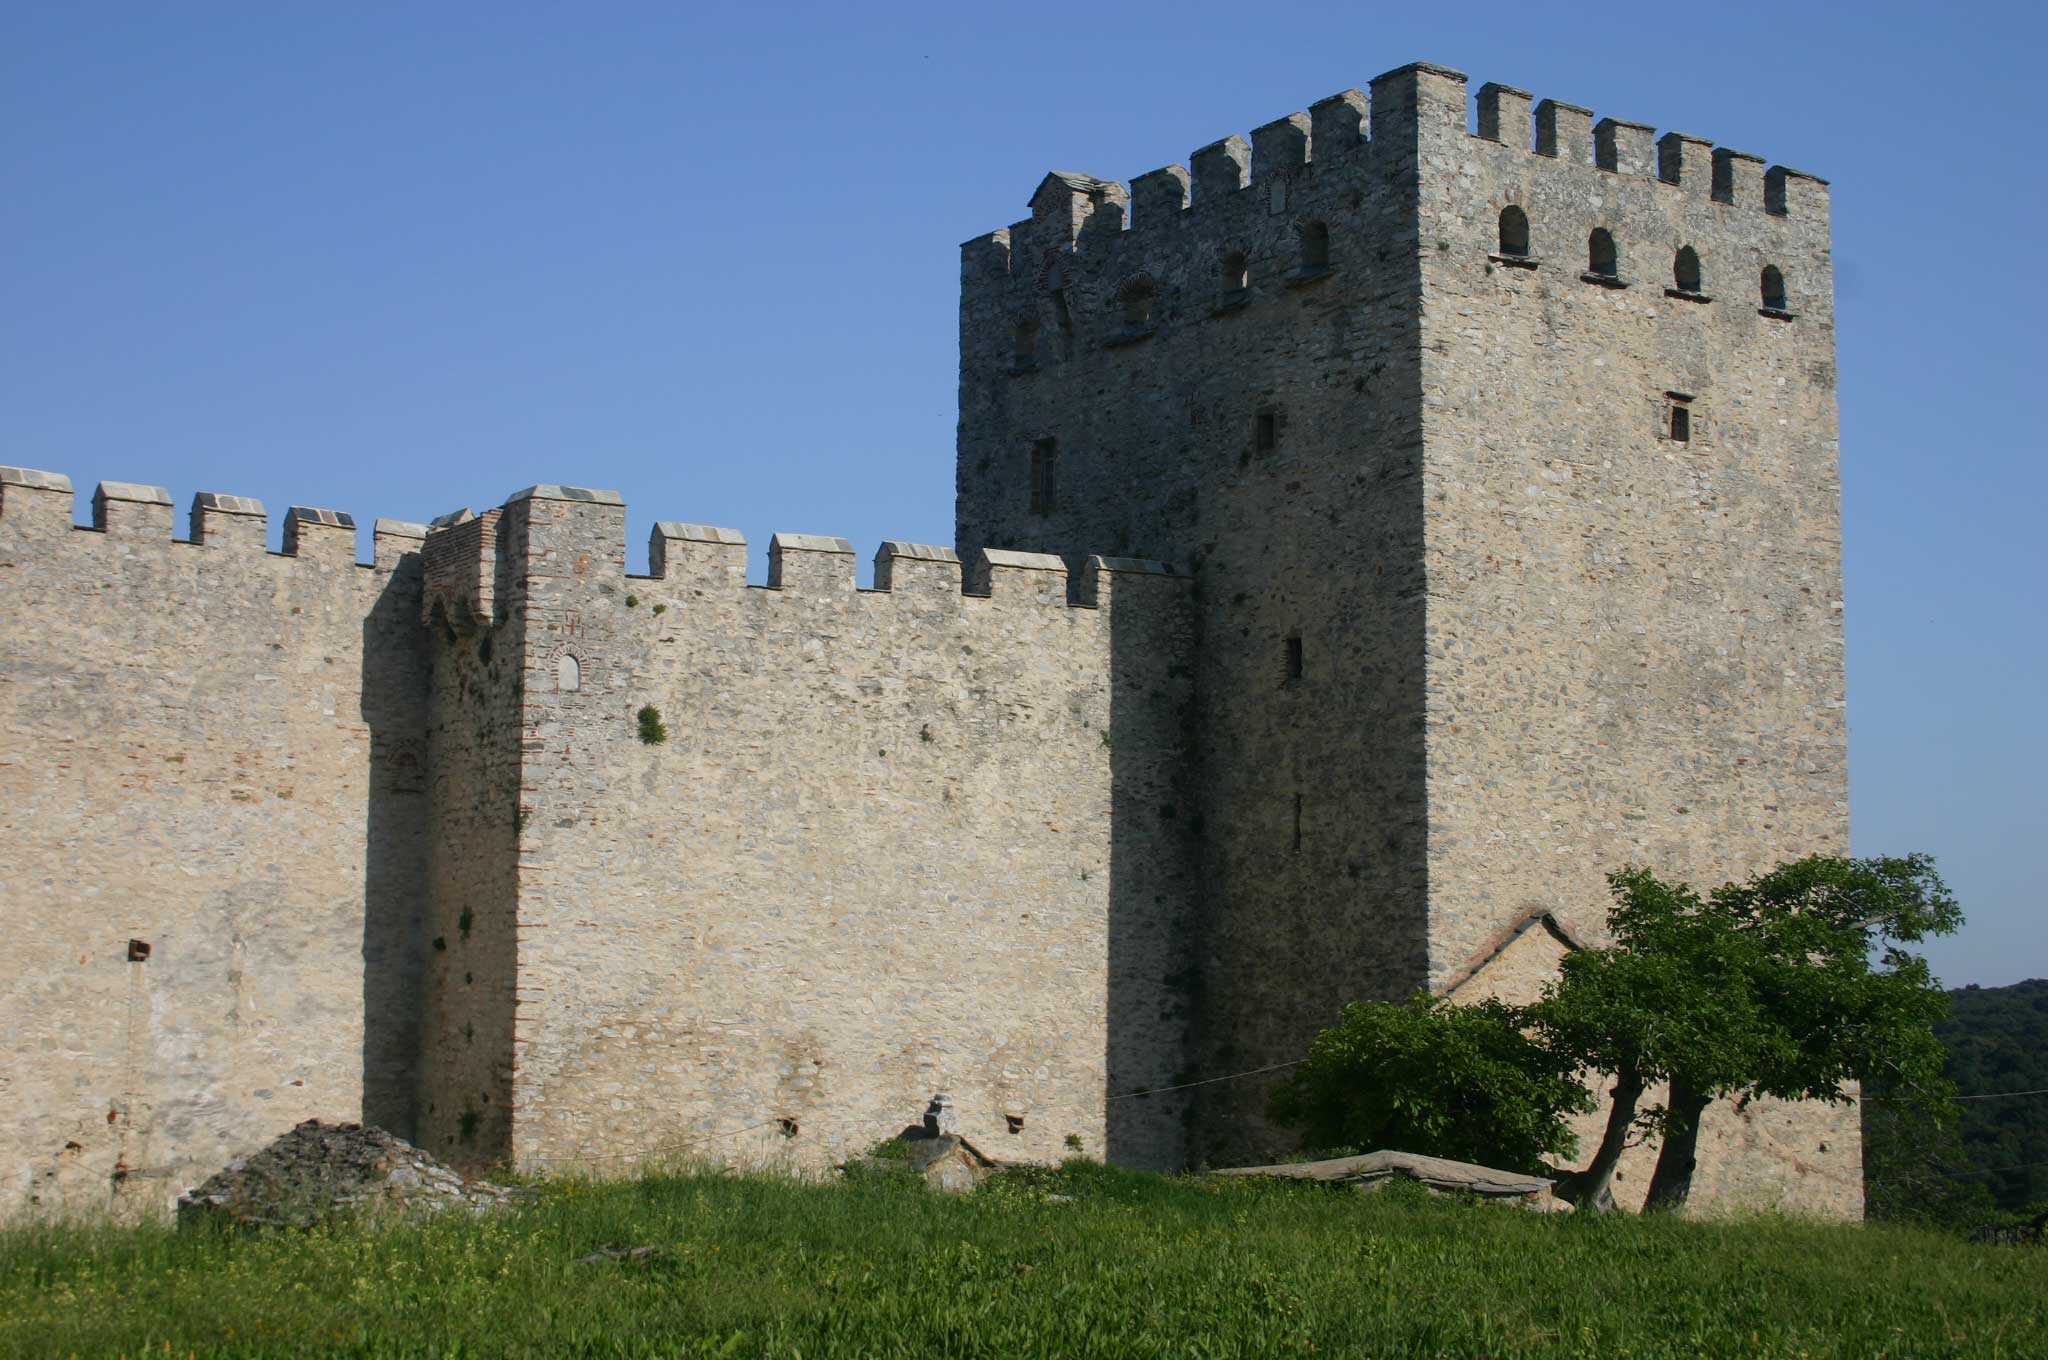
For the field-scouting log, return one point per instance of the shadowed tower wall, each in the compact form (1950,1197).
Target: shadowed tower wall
(1233,384)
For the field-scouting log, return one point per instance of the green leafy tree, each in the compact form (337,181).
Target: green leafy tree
(1669,996)
(1795,985)
(1428,1076)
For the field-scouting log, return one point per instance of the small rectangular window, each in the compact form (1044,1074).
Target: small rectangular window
(1681,424)
(1294,658)
(1266,431)
(1297,821)
(1044,473)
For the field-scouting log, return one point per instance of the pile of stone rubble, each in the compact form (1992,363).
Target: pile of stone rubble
(317,1171)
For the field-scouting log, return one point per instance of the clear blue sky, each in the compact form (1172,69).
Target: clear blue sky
(395,260)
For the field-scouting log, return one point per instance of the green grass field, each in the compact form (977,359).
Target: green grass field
(1083,1261)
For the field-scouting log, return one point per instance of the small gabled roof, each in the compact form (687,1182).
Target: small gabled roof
(1066,183)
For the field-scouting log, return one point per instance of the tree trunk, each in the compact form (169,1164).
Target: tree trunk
(1592,1190)
(1671,1183)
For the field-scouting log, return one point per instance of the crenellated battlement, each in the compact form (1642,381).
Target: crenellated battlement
(1361,183)
(136,513)
(1083,213)
(465,571)
(461,551)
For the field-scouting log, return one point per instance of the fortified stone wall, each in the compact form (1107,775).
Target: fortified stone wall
(210,787)
(894,843)
(1498,560)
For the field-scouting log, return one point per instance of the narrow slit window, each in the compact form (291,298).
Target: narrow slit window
(1294,658)
(1774,288)
(1236,272)
(1514,231)
(1315,247)
(1600,254)
(1685,270)
(1297,821)
(1137,305)
(1044,476)
(1027,343)
(1061,312)
(1266,431)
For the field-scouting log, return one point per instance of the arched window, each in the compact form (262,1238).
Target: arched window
(1514,231)
(1236,272)
(1315,247)
(1600,256)
(568,673)
(1136,299)
(1027,342)
(1685,270)
(1774,288)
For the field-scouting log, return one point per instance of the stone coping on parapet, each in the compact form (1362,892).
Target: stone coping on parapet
(330,519)
(1427,67)
(818,543)
(220,503)
(921,552)
(547,491)
(34,479)
(1023,561)
(699,533)
(133,493)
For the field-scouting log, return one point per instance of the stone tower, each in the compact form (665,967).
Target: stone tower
(1506,467)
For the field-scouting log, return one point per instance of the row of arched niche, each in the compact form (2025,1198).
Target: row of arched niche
(1603,261)
(1136,298)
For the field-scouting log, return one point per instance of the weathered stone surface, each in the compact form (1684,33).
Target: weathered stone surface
(217,751)
(897,841)
(317,1171)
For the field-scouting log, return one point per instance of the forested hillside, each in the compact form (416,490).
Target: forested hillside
(1997,1159)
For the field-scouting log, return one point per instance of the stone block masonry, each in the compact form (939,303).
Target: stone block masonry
(1467,515)
(211,782)
(894,843)
(390,842)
